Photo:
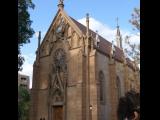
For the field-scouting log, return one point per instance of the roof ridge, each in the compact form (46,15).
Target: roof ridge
(105,45)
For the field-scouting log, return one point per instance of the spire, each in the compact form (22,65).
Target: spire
(61,5)
(118,36)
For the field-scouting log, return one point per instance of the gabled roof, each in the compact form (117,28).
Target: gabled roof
(105,46)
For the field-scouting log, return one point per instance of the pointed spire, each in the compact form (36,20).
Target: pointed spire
(61,5)
(118,36)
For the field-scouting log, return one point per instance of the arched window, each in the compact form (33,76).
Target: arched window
(101,80)
(118,84)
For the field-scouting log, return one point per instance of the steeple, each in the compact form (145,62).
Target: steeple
(61,5)
(118,36)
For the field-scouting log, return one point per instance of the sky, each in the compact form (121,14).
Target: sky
(103,14)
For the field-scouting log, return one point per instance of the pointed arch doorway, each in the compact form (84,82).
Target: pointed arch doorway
(57,112)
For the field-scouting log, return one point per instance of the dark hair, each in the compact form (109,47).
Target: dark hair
(128,105)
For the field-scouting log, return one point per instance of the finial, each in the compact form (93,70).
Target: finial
(112,52)
(97,39)
(39,36)
(97,36)
(39,41)
(87,24)
(113,47)
(87,15)
(61,5)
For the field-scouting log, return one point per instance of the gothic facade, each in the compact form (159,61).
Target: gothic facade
(77,74)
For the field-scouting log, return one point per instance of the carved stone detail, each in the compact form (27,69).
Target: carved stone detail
(58,76)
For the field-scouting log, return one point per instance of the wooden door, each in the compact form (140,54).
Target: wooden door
(57,113)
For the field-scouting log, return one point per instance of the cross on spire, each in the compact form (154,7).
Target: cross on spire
(61,5)
(61,1)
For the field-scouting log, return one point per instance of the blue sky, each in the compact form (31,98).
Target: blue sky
(105,11)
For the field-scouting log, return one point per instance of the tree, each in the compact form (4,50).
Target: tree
(134,51)
(135,21)
(25,32)
(23,103)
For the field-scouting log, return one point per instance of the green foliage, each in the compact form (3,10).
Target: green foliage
(23,103)
(25,32)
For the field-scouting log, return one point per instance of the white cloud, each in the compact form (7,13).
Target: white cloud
(28,66)
(104,30)
(109,33)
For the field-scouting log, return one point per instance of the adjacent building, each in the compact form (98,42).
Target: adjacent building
(23,81)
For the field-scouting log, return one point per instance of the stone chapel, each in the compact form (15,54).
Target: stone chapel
(79,75)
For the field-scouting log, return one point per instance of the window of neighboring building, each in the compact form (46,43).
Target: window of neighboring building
(118,83)
(101,80)
(23,78)
(22,85)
